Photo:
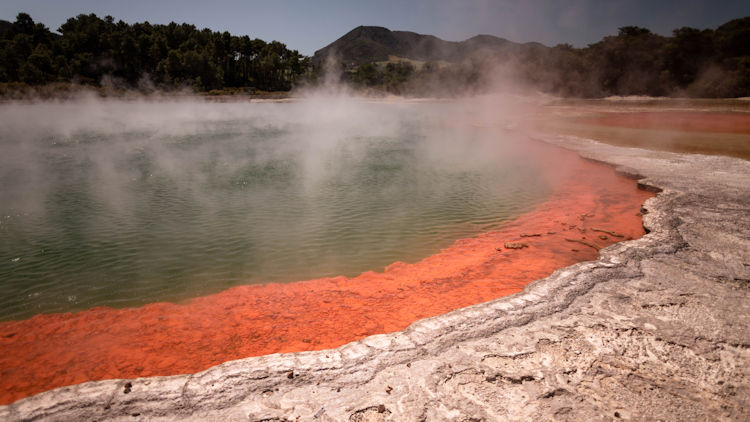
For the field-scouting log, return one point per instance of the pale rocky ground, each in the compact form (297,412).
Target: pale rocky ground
(657,329)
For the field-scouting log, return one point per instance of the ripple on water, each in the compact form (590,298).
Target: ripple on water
(142,214)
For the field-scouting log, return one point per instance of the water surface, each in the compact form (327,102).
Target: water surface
(121,203)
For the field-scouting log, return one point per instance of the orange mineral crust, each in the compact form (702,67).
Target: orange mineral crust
(53,350)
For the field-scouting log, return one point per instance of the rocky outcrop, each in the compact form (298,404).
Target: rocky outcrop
(657,328)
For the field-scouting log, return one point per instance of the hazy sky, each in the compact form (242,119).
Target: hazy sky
(307,25)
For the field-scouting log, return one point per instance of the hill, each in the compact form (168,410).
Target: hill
(367,44)
(690,63)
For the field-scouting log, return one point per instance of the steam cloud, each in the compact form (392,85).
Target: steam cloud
(185,174)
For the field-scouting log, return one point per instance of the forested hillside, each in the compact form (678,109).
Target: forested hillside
(92,50)
(692,62)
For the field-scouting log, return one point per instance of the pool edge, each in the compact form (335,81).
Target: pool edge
(691,187)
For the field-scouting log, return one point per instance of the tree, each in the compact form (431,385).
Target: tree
(629,63)
(688,52)
(367,74)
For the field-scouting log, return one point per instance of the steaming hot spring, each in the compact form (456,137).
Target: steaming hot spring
(142,238)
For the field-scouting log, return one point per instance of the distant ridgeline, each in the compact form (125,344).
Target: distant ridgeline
(92,51)
(692,62)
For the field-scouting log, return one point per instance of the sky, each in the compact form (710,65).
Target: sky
(308,25)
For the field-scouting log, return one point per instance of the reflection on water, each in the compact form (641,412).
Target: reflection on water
(123,203)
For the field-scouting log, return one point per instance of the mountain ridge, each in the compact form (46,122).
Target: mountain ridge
(366,44)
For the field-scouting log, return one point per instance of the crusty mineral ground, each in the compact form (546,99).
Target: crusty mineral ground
(657,328)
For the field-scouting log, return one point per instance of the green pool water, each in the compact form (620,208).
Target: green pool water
(121,203)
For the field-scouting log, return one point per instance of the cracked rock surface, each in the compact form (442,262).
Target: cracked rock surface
(657,328)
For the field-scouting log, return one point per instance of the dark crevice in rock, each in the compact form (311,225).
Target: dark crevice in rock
(556,392)
(512,380)
(649,187)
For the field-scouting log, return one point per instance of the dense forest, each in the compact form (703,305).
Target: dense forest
(692,62)
(90,50)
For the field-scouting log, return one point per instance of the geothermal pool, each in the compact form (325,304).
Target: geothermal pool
(161,238)
(117,203)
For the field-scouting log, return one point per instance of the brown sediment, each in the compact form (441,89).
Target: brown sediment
(53,350)
(676,120)
(718,132)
